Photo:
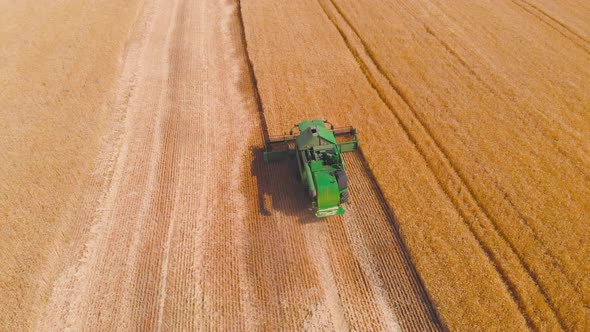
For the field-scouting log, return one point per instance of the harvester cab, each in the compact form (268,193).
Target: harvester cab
(317,150)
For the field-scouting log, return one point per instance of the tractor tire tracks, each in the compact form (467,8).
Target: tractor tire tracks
(458,190)
(554,23)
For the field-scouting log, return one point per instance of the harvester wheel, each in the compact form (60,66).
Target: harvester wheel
(344,197)
(342,180)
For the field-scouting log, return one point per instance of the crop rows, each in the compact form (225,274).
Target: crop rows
(494,151)
(143,202)
(196,231)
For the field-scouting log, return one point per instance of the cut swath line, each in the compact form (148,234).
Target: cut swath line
(252,74)
(242,239)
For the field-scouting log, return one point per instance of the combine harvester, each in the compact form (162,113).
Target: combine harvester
(318,153)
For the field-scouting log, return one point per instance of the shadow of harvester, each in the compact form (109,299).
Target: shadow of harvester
(280,189)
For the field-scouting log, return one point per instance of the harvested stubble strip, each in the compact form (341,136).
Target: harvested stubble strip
(59,62)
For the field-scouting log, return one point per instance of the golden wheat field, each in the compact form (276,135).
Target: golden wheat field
(134,194)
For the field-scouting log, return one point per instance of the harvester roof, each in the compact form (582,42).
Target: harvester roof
(314,133)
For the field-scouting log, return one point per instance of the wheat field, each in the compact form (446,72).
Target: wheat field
(58,62)
(134,195)
(474,120)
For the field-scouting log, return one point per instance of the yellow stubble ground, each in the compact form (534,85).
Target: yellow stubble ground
(58,62)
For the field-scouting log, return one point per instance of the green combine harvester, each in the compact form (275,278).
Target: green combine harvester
(318,150)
